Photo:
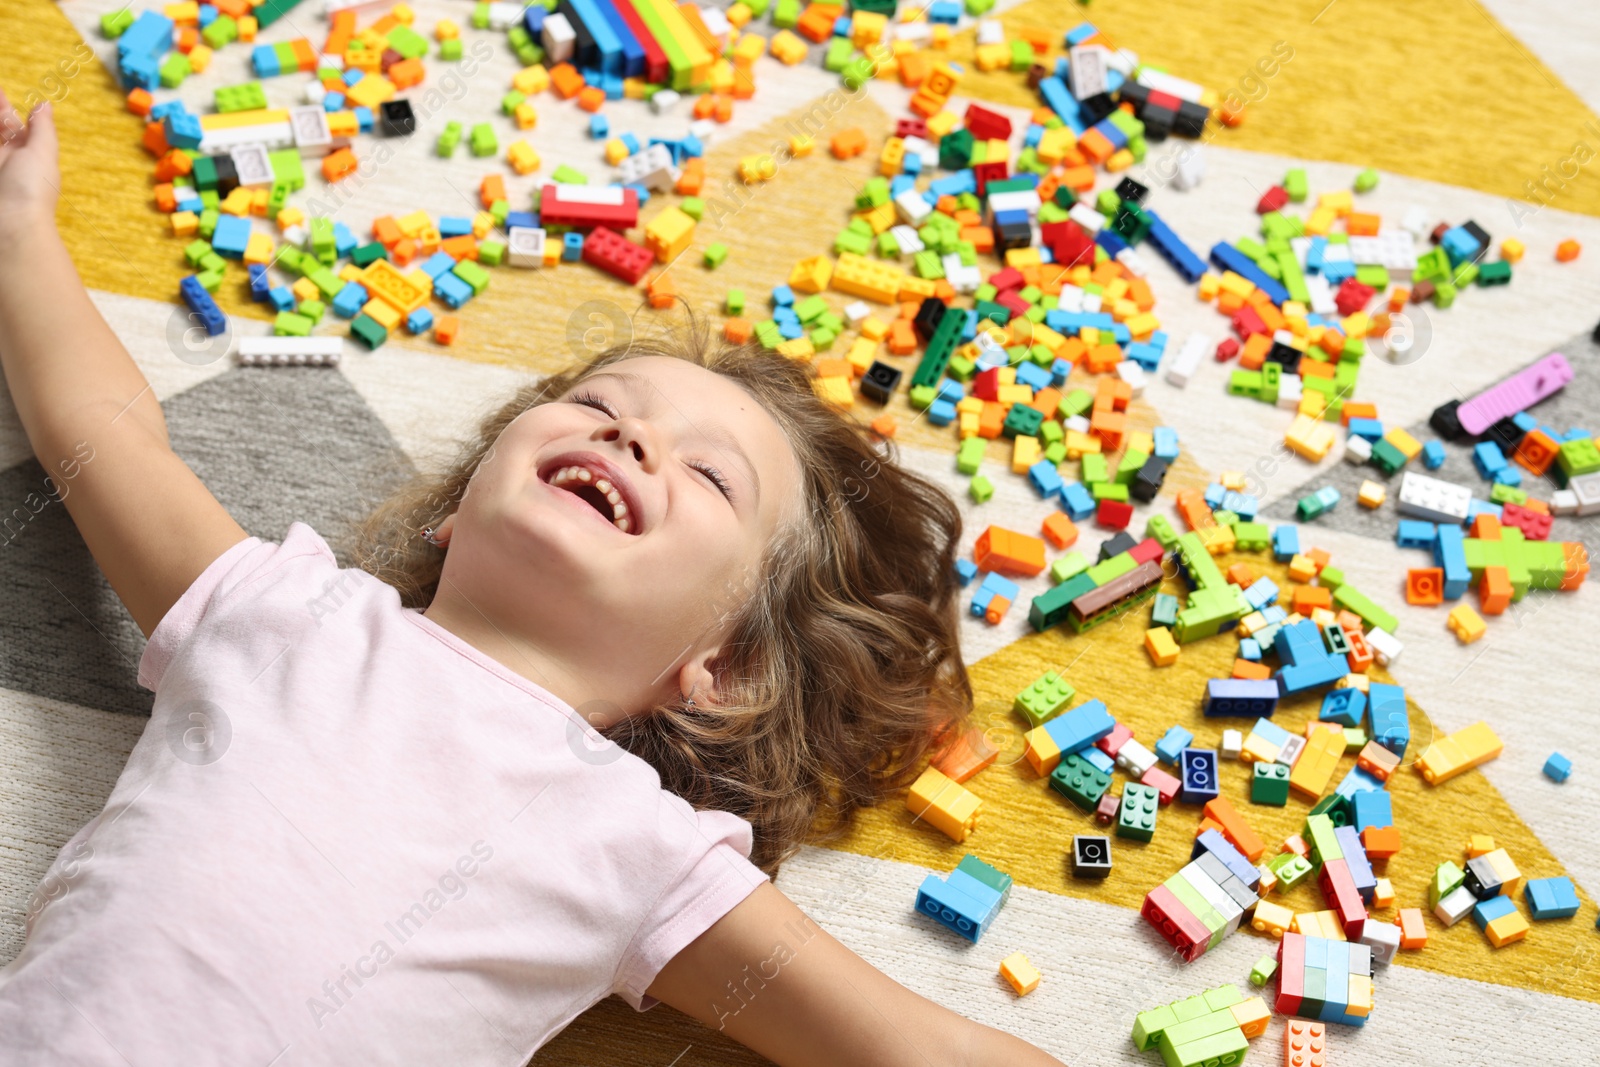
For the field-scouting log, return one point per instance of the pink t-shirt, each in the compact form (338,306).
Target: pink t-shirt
(348,837)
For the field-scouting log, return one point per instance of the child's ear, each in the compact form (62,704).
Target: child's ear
(442,532)
(697,679)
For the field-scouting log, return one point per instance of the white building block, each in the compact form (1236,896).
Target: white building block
(1135,759)
(1290,390)
(525,246)
(1382,938)
(1232,744)
(1086,72)
(1187,361)
(253,166)
(309,126)
(1386,647)
(1191,166)
(1357,450)
(558,38)
(1134,375)
(651,168)
(1422,497)
(912,206)
(289,351)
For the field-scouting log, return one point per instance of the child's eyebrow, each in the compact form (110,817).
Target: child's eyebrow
(719,437)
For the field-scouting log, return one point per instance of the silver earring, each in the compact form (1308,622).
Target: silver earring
(689,702)
(433,539)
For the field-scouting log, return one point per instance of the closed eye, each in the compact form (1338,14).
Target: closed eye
(593,401)
(715,477)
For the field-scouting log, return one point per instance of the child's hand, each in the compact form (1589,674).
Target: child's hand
(30,180)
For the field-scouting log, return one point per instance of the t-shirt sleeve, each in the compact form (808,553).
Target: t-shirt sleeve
(716,876)
(227,575)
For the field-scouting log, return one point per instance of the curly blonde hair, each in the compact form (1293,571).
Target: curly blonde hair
(838,677)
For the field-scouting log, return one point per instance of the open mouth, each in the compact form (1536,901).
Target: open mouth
(596,491)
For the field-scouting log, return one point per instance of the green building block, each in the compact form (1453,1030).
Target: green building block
(482,141)
(1022,421)
(1386,457)
(569,176)
(734,301)
(312,309)
(1136,815)
(116,23)
(1318,834)
(368,330)
(286,168)
(1093,468)
(1296,185)
(473,275)
(222,32)
(1043,700)
(970,455)
(1447,878)
(491,253)
(1160,527)
(290,324)
(995,879)
(1290,870)
(1080,781)
(1337,810)
(715,256)
(1263,971)
(1354,600)
(450,50)
(174,69)
(1109,570)
(1269,784)
(247,97)
(1069,565)
(1367,181)
(1579,457)
(981,489)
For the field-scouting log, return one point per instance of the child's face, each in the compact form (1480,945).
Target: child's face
(617,527)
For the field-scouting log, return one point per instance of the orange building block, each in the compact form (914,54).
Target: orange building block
(1413,928)
(1060,530)
(965,756)
(1008,552)
(1241,575)
(1308,598)
(1381,842)
(1494,591)
(1255,672)
(737,331)
(1425,586)
(847,144)
(1305,1044)
(1235,829)
(1567,251)
(339,164)
(884,425)
(566,81)
(1536,452)
(446,329)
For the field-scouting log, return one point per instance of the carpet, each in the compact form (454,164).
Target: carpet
(1459,105)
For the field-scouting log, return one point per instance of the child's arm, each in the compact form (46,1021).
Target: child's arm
(91,417)
(773,980)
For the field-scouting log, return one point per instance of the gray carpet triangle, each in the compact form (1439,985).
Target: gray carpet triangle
(1574,406)
(275,446)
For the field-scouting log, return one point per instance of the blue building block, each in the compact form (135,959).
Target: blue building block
(1262,592)
(1285,543)
(454,226)
(1215,492)
(1240,867)
(1077,729)
(1197,771)
(1166,443)
(202,306)
(281,297)
(419,321)
(1557,768)
(1249,649)
(1391,726)
(964,905)
(1355,858)
(1551,898)
(993,585)
(1045,479)
(1508,475)
(1343,706)
(1171,746)
(1487,911)
(349,301)
(1476,507)
(1225,257)
(966,570)
(182,130)
(1450,554)
(1416,533)
(231,236)
(1356,781)
(1371,807)
(1433,455)
(1371,429)
(941,413)
(1078,502)
(572,248)
(1032,375)
(260,284)
(1307,663)
(1240,697)
(1488,458)
(1172,248)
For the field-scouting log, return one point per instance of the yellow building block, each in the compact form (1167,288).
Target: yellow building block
(522,157)
(799,348)
(236,203)
(1078,443)
(757,168)
(1014,394)
(1252,1016)
(1383,895)
(1312,405)
(1309,437)
(258,249)
(1479,845)
(859,276)
(1506,929)
(943,804)
(835,391)
(616,151)
(370,91)
(1466,624)
(1272,919)
(1159,645)
(384,281)
(1015,968)
(1458,753)
(232,120)
(1024,453)
(305,289)
(1510,877)
(1409,446)
(525,116)
(1319,924)
(1317,762)
(1372,494)
(669,233)
(184,223)
(942,122)
(787,48)
(810,275)
(861,354)
(384,312)
(1359,998)
(1511,250)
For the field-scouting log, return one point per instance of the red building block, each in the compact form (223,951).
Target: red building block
(616,255)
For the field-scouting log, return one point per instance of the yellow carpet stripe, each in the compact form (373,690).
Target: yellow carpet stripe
(1438,91)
